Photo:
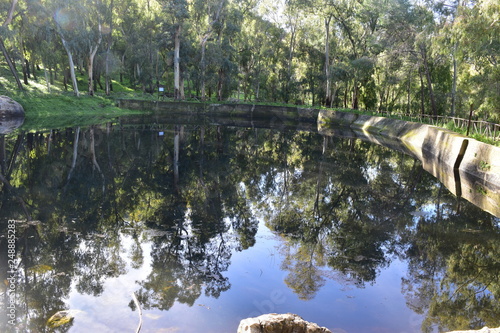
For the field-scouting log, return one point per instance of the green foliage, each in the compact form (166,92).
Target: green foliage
(383,55)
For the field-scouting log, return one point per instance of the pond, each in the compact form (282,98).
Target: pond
(191,227)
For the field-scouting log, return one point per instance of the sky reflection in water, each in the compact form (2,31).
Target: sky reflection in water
(208,225)
(257,287)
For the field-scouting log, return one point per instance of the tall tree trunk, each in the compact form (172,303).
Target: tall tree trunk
(422,95)
(11,65)
(47,80)
(257,89)
(177,68)
(290,60)
(12,68)
(355,96)
(71,66)
(92,53)
(408,107)
(220,84)
(346,94)
(328,92)
(454,87)
(10,14)
(24,63)
(91,75)
(203,66)
(122,66)
(108,50)
(181,89)
(423,50)
(203,43)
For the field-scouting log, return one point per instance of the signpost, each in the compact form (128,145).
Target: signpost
(161,91)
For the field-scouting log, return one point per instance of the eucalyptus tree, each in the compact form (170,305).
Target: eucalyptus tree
(448,43)
(136,27)
(207,18)
(293,23)
(350,27)
(325,9)
(477,28)
(261,46)
(109,11)
(66,20)
(406,46)
(6,23)
(176,13)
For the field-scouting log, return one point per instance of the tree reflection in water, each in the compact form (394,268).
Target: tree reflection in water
(343,208)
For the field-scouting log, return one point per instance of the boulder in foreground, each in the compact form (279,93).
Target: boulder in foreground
(279,323)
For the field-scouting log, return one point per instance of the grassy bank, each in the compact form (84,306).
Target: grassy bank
(58,111)
(49,106)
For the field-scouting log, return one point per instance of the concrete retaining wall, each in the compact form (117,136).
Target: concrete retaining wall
(248,111)
(469,168)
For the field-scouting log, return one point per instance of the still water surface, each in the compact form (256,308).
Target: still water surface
(208,224)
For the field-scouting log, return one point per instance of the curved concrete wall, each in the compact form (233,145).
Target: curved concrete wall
(469,168)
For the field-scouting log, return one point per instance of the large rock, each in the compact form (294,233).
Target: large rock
(10,108)
(279,323)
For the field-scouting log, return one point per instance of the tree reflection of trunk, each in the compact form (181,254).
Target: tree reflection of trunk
(113,174)
(49,142)
(439,214)
(6,170)
(75,154)
(202,151)
(18,198)
(220,142)
(318,182)
(3,162)
(202,137)
(176,157)
(94,157)
(13,156)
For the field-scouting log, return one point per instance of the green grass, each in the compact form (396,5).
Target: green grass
(57,111)
(60,108)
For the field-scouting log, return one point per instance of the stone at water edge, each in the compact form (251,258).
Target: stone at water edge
(9,108)
(279,323)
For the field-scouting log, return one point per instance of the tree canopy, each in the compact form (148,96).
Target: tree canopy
(418,56)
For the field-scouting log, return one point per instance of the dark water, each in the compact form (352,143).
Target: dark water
(208,224)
